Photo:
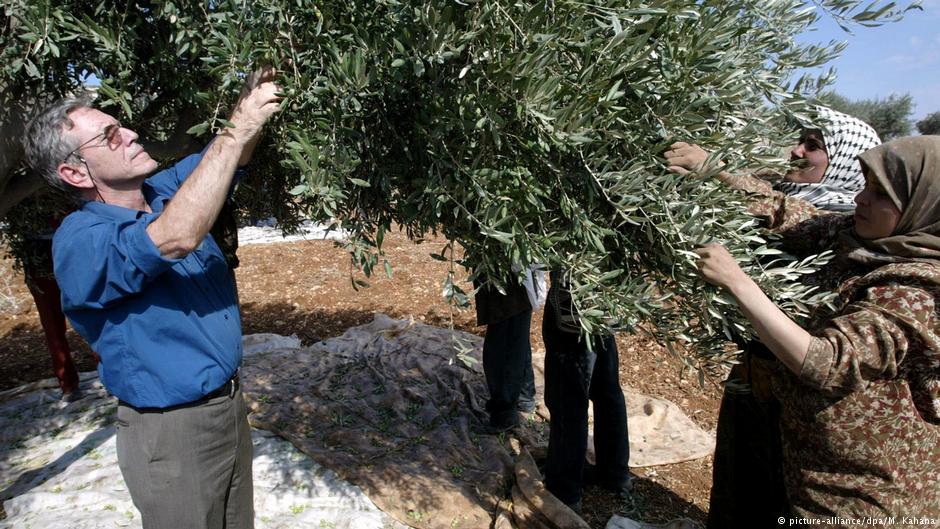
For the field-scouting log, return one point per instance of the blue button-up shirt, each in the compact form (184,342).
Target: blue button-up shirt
(167,330)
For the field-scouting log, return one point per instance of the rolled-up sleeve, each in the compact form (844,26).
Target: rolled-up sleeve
(869,341)
(167,182)
(101,262)
(142,251)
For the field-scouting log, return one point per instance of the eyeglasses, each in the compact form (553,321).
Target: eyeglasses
(111,134)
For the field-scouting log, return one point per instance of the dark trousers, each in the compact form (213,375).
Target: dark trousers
(46,294)
(567,398)
(189,466)
(507,364)
(747,477)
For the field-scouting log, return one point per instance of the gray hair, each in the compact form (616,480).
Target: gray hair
(45,141)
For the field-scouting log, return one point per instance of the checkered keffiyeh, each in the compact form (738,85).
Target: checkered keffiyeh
(845,138)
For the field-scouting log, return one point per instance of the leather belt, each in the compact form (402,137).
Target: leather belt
(225,390)
(229,389)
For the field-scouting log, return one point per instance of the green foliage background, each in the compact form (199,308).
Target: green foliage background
(930,124)
(890,117)
(524,131)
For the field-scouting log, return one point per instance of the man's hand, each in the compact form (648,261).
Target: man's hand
(257,103)
(684,158)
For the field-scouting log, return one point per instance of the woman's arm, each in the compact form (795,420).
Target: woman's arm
(804,228)
(868,341)
(685,158)
(787,340)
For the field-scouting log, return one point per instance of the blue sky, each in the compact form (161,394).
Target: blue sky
(901,57)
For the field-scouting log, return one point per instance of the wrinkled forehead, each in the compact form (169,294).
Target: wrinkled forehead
(84,121)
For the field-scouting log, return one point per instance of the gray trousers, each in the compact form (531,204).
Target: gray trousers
(189,467)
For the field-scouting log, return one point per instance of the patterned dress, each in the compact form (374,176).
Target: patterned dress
(860,424)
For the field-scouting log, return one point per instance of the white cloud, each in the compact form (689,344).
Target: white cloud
(905,62)
(924,53)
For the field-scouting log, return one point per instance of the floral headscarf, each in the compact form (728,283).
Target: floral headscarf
(909,171)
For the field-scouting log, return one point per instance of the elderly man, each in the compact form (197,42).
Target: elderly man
(151,292)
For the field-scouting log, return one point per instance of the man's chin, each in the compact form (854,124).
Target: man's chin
(143,166)
(145,159)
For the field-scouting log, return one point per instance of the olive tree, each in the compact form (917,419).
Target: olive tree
(526,132)
(890,117)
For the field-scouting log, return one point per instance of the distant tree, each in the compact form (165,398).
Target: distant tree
(891,116)
(930,124)
(838,102)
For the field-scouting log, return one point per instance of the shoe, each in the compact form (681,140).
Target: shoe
(502,424)
(623,489)
(73,396)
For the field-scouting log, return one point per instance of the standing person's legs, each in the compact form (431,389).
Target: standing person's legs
(46,294)
(526,402)
(567,403)
(747,474)
(610,417)
(507,364)
(188,467)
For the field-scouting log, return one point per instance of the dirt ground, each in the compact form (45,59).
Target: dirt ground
(304,288)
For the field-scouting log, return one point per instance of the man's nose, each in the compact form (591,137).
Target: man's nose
(798,152)
(129,135)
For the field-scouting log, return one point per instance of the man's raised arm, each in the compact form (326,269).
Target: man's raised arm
(189,215)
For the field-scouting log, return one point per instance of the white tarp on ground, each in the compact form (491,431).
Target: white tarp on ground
(618,522)
(58,468)
(58,463)
(386,406)
(309,231)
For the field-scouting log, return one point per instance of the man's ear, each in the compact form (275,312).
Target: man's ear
(75,175)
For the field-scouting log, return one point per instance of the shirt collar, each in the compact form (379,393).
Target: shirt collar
(157,203)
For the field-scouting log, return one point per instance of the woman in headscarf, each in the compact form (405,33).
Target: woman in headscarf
(859,388)
(830,185)
(747,480)
(828,176)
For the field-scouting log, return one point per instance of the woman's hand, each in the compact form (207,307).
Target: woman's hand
(779,333)
(686,157)
(719,268)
